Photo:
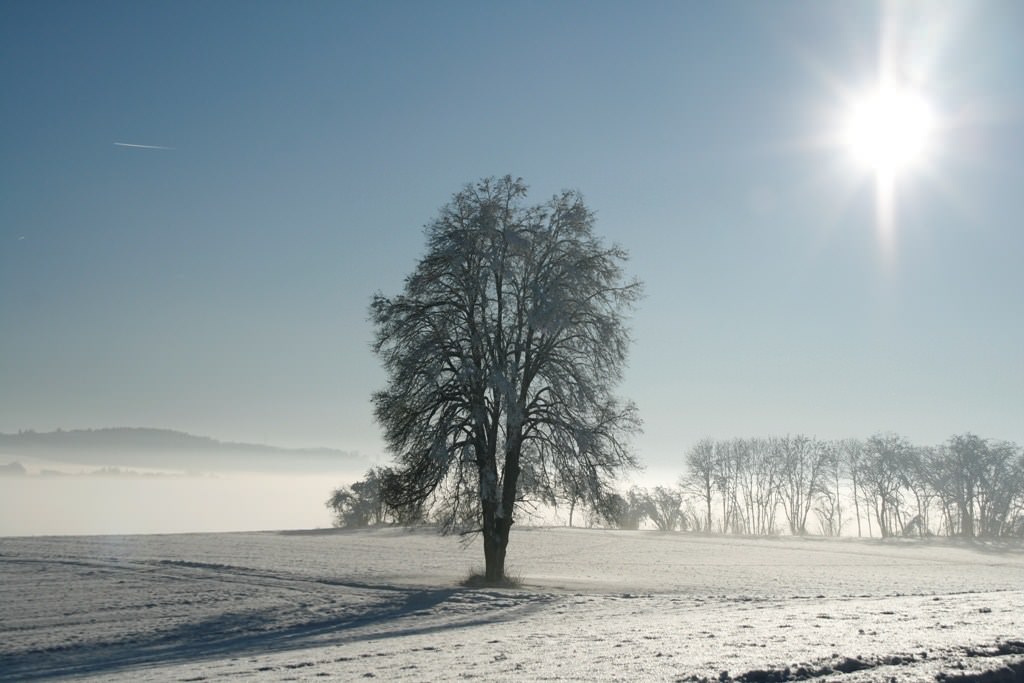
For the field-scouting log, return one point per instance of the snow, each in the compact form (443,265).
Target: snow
(594,605)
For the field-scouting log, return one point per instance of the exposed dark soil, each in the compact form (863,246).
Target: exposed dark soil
(1003,672)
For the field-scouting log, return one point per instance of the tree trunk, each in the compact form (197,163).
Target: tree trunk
(495,544)
(498,511)
(495,541)
(966,519)
(856,505)
(867,512)
(838,506)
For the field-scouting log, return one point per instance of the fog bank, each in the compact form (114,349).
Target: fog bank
(73,505)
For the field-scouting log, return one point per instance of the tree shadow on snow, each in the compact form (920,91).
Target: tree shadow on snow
(398,612)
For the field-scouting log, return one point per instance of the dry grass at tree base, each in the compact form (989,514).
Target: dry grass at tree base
(478,579)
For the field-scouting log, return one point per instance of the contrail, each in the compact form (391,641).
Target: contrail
(128,144)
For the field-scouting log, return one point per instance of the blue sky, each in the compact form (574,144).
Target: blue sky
(221,286)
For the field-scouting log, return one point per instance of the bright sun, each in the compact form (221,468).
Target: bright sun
(889,130)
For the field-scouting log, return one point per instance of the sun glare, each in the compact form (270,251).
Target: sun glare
(889,131)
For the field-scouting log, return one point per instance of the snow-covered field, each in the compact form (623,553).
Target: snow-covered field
(595,605)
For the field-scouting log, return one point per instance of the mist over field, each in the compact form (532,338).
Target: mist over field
(151,481)
(144,481)
(166,503)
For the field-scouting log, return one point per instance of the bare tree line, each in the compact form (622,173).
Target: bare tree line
(883,485)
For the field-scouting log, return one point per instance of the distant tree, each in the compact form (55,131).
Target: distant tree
(362,504)
(349,511)
(739,472)
(1002,488)
(804,462)
(964,457)
(726,482)
(626,512)
(664,507)
(610,512)
(699,479)
(571,493)
(759,473)
(851,453)
(919,480)
(977,483)
(1015,513)
(573,501)
(829,506)
(886,461)
(503,350)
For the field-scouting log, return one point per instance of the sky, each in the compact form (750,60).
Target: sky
(198,200)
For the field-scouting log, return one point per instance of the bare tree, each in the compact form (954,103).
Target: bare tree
(699,479)
(664,507)
(919,479)
(977,483)
(740,467)
(1002,488)
(883,473)
(963,459)
(573,499)
(758,471)
(623,511)
(504,349)
(851,452)
(804,463)
(362,504)
(829,507)
(1015,510)
(572,492)
(726,483)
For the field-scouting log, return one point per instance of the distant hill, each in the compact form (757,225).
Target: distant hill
(168,449)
